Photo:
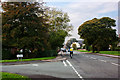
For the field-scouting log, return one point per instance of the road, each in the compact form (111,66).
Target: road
(82,67)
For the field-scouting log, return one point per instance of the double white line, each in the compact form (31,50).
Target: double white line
(73,69)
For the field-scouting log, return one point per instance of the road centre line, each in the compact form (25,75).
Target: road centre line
(103,60)
(64,63)
(115,64)
(75,70)
(35,64)
(93,58)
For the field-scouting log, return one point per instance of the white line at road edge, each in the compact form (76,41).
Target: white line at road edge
(64,63)
(75,70)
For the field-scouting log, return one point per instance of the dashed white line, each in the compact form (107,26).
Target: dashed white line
(103,60)
(115,64)
(64,63)
(35,64)
(75,70)
(93,58)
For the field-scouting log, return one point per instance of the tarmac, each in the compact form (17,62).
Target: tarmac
(107,55)
(58,58)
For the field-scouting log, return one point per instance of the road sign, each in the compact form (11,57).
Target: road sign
(19,56)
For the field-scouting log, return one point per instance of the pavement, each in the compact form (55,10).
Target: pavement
(58,58)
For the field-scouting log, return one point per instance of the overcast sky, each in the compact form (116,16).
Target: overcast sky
(80,11)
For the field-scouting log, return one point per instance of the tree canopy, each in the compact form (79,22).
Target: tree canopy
(69,42)
(28,25)
(22,25)
(98,33)
(59,27)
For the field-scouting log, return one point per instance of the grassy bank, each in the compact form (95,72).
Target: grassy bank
(32,59)
(84,51)
(11,76)
(103,52)
(110,52)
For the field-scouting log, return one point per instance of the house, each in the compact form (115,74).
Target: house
(79,43)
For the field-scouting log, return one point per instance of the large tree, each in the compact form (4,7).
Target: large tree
(23,27)
(59,27)
(69,42)
(98,33)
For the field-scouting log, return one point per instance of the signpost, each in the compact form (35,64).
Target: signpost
(19,56)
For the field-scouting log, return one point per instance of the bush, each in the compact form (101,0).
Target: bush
(47,53)
(117,49)
(6,54)
(74,46)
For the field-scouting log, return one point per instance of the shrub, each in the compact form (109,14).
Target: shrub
(47,53)
(6,54)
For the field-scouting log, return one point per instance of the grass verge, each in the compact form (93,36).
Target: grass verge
(117,53)
(32,59)
(84,51)
(11,76)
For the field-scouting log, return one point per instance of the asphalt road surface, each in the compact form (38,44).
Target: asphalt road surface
(82,67)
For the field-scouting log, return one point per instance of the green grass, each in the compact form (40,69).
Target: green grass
(84,51)
(110,52)
(11,76)
(103,52)
(32,59)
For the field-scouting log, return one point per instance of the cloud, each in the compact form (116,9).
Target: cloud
(79,12)
(80,0)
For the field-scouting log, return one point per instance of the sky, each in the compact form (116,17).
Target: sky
(80,11)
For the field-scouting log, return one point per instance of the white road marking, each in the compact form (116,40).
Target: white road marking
(69,63)
(64,63)
(35,64)
(75,70)
(115,64)
(93,58)
(103,60)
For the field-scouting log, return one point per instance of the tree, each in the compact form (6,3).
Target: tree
(98,33)
(69,42)
(74,46)
(22,27)
(59,27)
(57,38)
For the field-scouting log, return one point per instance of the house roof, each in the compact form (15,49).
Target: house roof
(80,41)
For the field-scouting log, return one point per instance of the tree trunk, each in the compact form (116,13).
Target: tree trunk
(93,48)
(98,49)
